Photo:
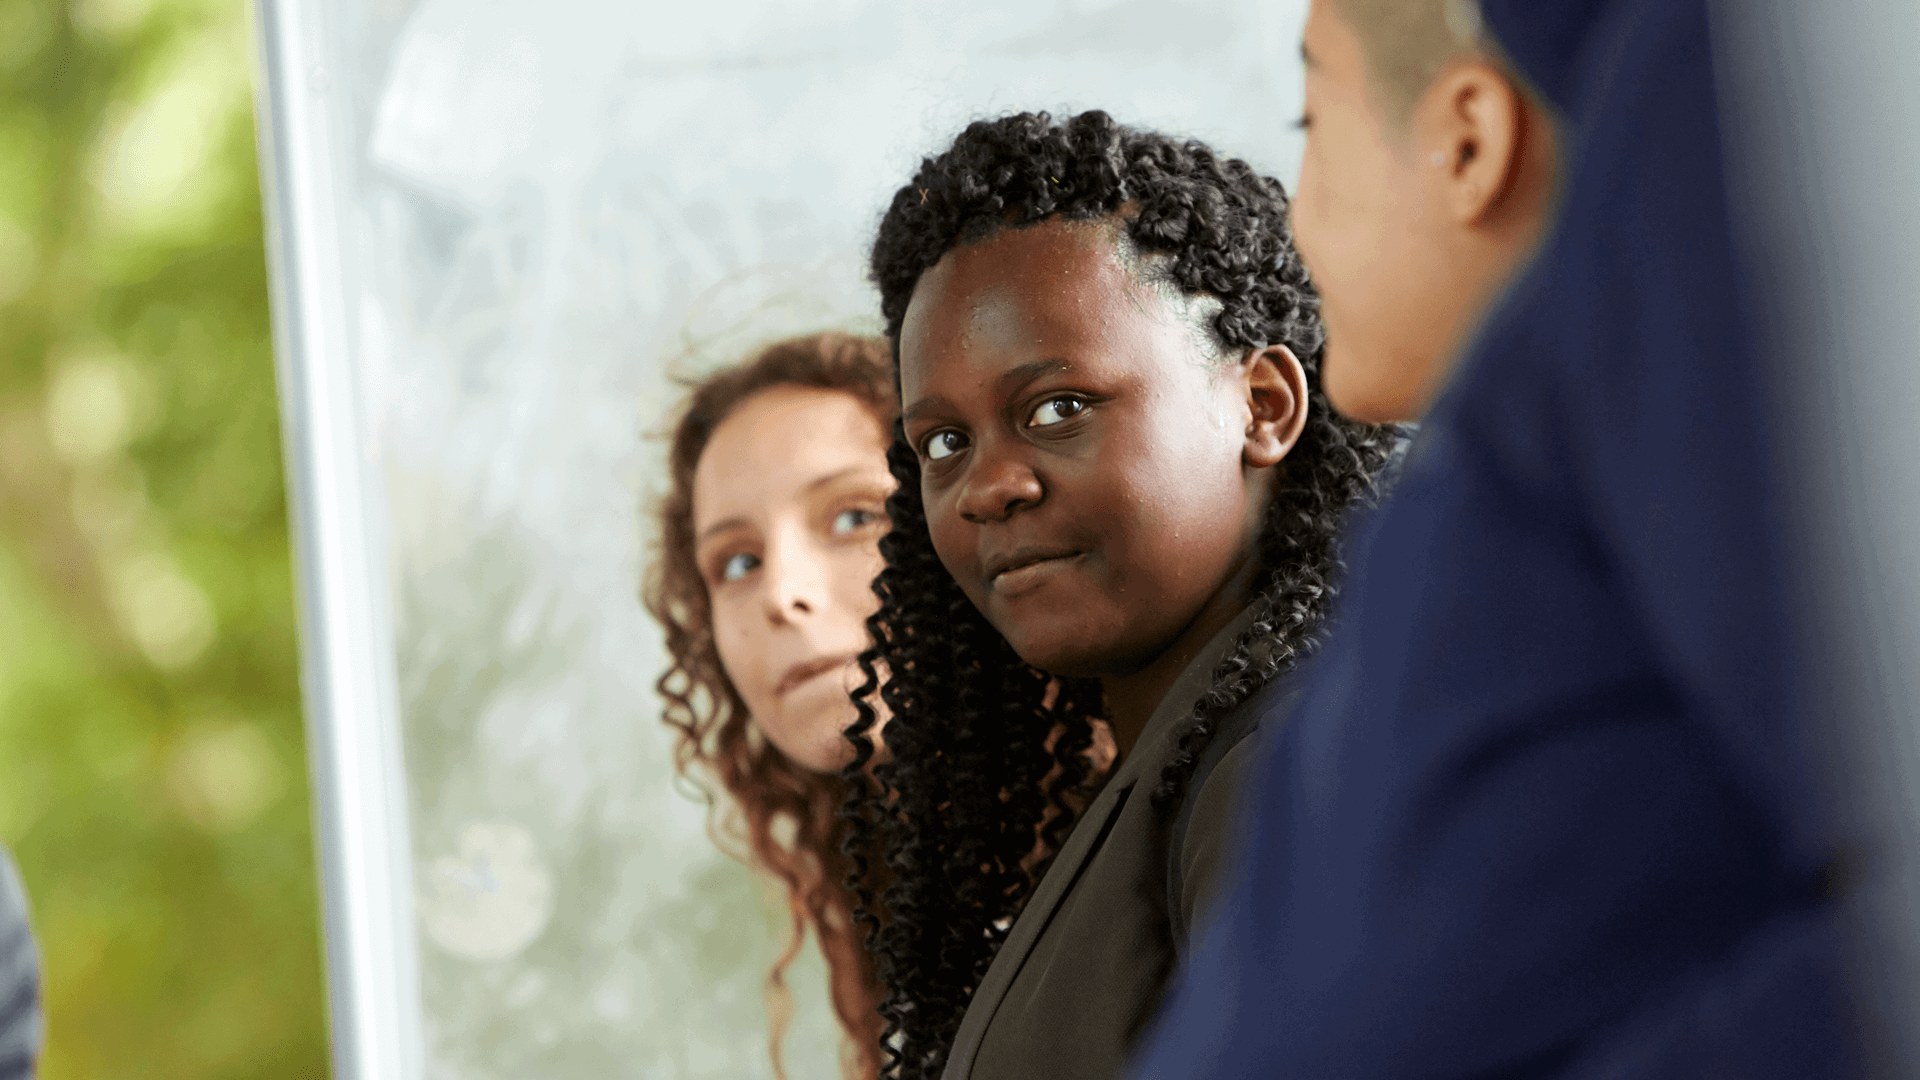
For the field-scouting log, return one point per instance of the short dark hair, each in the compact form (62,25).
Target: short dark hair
(1407,42)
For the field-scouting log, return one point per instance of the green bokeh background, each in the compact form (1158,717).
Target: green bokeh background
(152,769)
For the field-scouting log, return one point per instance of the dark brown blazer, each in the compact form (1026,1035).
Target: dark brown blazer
(1082,970)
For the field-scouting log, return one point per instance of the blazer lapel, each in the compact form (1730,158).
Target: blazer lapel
(1031,923)
(1156,745)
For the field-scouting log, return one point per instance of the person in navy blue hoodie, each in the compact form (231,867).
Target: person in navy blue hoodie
(1548,807)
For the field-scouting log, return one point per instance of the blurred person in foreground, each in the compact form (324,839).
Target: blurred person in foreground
(19,979)
(763,583)
(1547,808)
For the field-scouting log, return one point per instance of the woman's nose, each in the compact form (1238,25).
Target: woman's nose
(997,487)
(795,585)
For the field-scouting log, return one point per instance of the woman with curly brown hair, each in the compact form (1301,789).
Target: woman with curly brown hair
(763,582)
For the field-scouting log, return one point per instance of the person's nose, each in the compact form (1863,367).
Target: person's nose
(998,486)
(795,582)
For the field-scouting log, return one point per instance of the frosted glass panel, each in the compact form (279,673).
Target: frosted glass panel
(504,225)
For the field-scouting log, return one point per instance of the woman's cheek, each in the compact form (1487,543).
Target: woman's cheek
(743,657)
(951,542)
(859,576)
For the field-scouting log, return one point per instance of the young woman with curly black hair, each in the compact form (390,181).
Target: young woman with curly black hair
(1119,493)
(778,482)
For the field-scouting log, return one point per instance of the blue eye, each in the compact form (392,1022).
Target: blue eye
(1054,410)
(853,520)
(739,566)
(944,444)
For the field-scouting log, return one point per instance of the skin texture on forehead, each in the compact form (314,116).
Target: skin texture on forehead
(1152,291)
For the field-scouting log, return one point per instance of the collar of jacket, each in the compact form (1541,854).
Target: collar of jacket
(1158,741)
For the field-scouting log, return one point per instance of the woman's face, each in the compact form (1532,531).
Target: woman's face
(1082,446)
(788,507)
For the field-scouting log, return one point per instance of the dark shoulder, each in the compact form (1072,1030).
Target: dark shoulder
(1204,829)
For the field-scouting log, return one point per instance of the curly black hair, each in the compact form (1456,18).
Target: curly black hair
(987,768)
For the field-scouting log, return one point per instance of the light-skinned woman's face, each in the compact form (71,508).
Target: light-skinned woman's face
(788,507)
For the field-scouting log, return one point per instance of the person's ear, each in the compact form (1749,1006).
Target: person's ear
(1468,123)
(1277,405)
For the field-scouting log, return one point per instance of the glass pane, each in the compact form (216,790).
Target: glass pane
(544,210)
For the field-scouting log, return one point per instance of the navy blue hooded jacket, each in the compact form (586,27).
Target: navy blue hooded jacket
(1546,810)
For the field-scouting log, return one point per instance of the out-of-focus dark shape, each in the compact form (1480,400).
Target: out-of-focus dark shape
(19,979)
(1819,104)
(1548,809)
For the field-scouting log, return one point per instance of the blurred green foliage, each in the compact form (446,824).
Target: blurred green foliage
(152,777)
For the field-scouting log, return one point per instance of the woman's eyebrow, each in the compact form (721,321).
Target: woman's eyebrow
(719,527)
(1016,378)
(924,405)
(1009,382)
(838,474)
(732,523)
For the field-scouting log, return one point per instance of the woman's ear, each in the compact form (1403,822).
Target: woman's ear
(1277,405)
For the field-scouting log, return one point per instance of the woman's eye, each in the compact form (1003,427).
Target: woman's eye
(738,566)
(853,520)
(944,444)
(1054,410)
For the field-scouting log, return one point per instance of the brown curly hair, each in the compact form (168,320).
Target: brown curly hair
(784,812)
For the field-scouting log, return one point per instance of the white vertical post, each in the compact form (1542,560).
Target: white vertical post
(345,586)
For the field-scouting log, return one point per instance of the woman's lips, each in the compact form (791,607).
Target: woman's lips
(809,670)
(1027,573)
